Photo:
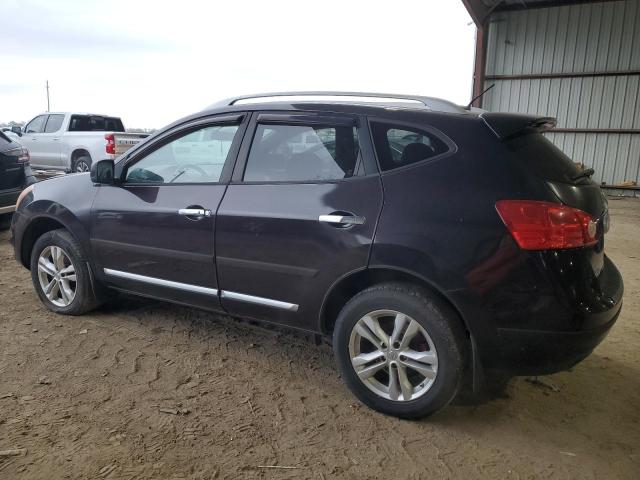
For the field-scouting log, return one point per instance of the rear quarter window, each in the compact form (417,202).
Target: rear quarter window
(398,146)
(542,158)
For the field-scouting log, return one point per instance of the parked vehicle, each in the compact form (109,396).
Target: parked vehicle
(431,243)
(72,141)
(15,174)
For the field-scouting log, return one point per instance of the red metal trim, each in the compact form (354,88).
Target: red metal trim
(479,65)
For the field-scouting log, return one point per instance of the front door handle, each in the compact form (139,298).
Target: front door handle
(341,220)
(195,213)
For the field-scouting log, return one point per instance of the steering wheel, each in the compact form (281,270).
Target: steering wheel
(183,168)
(196,168)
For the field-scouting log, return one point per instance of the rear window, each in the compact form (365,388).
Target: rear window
(544,159)
(95,123)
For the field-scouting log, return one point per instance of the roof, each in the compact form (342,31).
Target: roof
(333,98)
(481,9)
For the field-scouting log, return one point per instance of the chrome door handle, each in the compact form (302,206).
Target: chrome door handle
(344,220)
(194,212)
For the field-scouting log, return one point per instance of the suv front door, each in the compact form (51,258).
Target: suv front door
(153,234)
(299,214)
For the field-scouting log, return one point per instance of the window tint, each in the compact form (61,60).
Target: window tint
(54,123)
(196,157)
(298,153)
(36,125)
(400,146)
(544,159)
(95,123)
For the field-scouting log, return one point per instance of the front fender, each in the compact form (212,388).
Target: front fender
(63,202)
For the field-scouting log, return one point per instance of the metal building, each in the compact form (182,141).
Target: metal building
(578,61)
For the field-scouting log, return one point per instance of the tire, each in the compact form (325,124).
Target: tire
(82,164)
(83,299)
(439,342)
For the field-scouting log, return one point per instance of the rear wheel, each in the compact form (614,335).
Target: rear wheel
(60,274)
(82,164)
(400,351)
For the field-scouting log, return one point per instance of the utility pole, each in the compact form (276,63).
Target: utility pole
(48,96)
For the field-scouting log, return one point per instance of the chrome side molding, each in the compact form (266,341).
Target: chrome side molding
(161,282)
(242,297)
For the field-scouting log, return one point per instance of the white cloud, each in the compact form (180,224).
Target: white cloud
(152,62)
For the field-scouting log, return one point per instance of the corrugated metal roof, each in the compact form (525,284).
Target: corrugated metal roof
(481,9)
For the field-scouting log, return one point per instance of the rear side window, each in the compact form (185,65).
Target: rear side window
(54,123)
(544,159)
(398,146)
(95,123)
(299,153)
(36,125)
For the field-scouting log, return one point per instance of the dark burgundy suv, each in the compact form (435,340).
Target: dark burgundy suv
(432,243)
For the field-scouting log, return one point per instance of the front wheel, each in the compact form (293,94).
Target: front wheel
(400,351)
(60,274)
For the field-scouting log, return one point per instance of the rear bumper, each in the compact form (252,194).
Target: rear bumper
(530,352)
(580,326)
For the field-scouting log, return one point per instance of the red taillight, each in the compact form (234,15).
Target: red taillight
(111,143)
(544,225)
(24,156)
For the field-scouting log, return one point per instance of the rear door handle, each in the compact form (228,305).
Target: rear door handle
(342,220)
(196,213)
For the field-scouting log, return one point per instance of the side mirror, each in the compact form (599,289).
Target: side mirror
(102,172)
(17,130)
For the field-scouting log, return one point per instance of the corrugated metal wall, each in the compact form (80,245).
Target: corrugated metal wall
(593,37)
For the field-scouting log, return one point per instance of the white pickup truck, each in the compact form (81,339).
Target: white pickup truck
(72,141)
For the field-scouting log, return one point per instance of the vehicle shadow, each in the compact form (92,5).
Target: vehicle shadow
(550,392)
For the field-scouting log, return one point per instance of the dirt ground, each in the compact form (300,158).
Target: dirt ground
(85,397)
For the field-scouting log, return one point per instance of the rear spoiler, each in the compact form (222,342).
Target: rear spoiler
(510,125)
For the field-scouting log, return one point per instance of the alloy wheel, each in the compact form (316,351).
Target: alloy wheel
(82,167)
(393,355)
(57,276)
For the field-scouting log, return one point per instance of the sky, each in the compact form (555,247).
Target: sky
(152,62)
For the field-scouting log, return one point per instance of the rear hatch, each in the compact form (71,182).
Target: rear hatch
(569,182)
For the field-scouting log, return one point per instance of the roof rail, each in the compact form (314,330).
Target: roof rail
(426,102)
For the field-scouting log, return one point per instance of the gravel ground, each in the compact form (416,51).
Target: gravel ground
(144,389)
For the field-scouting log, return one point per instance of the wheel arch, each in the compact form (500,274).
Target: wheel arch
(79,152)
(36,228)
(350,284)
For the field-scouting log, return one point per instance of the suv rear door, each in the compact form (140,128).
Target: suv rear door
(299,214)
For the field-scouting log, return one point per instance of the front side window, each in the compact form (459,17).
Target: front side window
(54,123)
(400,146)
(299,153)
(36,125)
(195,157)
